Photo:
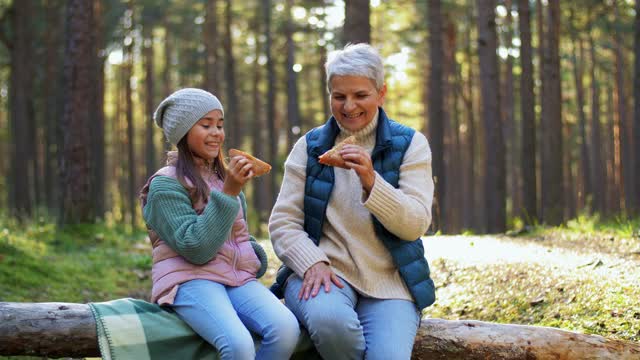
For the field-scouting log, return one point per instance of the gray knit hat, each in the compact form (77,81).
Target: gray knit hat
(181,110)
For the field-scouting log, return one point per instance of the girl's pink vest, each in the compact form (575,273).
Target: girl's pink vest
(235,263)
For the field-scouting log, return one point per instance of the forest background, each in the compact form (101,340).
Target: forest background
(531,107)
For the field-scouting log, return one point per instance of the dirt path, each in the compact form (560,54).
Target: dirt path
(476,250)
(491,250)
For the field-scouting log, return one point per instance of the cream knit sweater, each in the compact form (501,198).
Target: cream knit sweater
(349,243)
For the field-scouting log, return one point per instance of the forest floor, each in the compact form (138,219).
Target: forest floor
(576,281)
(581,277)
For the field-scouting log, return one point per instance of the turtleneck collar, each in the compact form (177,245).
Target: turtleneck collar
(366,135)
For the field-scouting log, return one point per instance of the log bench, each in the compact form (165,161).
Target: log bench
(69,330)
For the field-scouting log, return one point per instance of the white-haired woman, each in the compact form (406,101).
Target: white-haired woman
(355,274)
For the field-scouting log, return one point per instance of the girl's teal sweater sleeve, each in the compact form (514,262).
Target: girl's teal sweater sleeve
(196,238)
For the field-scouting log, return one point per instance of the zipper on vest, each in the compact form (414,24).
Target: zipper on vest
(234,263)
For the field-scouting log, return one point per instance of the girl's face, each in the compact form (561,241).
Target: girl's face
(205,138)
(355,100)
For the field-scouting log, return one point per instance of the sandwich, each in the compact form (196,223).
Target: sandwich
(259,167)
(332,157)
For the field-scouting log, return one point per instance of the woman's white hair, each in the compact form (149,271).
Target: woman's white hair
(356,60)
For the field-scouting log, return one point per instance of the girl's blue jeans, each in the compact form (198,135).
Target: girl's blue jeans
(345,325)
(225,315)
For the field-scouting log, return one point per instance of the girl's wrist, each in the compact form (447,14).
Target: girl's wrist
(231,189)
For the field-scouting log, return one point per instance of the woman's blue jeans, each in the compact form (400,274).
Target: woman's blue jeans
(225,315)
(345,325)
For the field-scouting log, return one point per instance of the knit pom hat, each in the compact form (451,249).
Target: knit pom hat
(181,110)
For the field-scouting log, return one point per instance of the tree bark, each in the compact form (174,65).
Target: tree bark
(64,329)
(552,193)
(232,113)
(260,197)
(585,170)
(494,181)
(211,47)
(272,131)
(357,27)
(130,139)
(435,105)
(77,201)
(20,88)
(636,115)
(294,127)
(97,124)
(626,160)
(598,169)
(527,102)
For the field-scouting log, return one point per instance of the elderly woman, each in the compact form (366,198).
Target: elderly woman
(351,236)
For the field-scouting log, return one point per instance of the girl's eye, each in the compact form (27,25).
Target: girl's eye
(219,127)
(205,126)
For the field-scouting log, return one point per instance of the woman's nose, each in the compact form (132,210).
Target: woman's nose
(349,104)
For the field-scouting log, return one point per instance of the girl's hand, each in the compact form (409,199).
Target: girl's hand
(358,159)
(239,171)
(317,275)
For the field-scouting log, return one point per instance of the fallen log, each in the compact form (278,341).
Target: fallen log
(68,330)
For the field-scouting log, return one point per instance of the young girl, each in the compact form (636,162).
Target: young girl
(205,264)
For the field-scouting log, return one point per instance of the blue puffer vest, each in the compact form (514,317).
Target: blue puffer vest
(392,141)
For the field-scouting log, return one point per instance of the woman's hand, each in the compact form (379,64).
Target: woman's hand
(317,275)
(358,159)
(239,171)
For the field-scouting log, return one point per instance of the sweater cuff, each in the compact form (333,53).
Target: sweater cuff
(262,256)
(383,201)
(300,258)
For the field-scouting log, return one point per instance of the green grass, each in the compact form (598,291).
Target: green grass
(80,264)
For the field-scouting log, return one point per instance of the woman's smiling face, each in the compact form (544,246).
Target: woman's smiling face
(355,100)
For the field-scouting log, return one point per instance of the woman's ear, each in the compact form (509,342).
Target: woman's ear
(381,94)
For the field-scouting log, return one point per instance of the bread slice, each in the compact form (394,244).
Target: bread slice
(332,157)
(259,167)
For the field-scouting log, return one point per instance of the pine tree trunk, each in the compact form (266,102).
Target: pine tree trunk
(149,64)
(357,27)
(53,43)
(636,115)
(77,200)
(553,203)
(232,113)
(585,170)
(260,186)
(293,107)
(598,169)
(435,106)
(273,138)
(495,182)
(98,161)
(20,193)
(527,102)
(211,47)
(626,160)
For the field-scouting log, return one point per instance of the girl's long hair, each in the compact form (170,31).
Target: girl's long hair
(186,168)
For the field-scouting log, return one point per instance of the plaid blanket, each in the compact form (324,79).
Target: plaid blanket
(131,329)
